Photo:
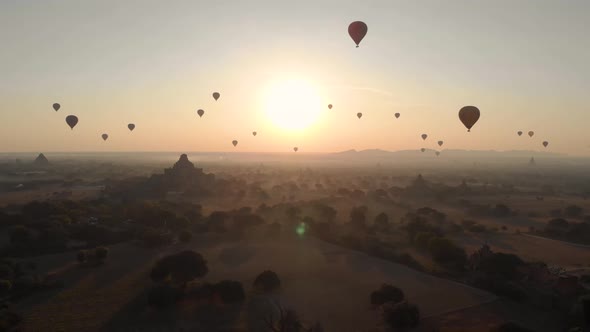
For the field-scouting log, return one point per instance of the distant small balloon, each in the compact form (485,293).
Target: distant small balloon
(359,115)
(531,133)
(56,106)
(330,106)
(295,149)
(437,153)
(424,136)
(105,137)
(234,142)
(254,133)
(72,121)
(397,115)
(423,149)
(519,133)
(131,126)
(440,143)
(545,143)
(200,113)
(216,95)
(357,31)
(469,116)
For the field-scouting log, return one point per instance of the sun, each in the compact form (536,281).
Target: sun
(292,104)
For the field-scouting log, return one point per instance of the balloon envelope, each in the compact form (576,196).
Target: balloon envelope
(519,133)
(359,115)
(545,143)
(437,153)
(424,136)
(216,95)
(423,149)
(234,142)
(200,113)
(131,126)
(295,149)
(254,133)
(357,31)
(469,116)
(531,133)
(330,106)
(397,115)
(56,106)
(72,121)
(104,137)
(440,143)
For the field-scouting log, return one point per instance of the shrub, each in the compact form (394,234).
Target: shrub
(163,296)
(267,281)
(446,252)
(387,293)
(180,268)
(101,253)
(422,239)
(82,256)
(504,265)
(230,291)
(5,286)
(401,315)
(185,236)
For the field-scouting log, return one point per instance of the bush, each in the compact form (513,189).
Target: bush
(401,315)
(267,281)
(230,291)
(422,239)
(5,286)
(180,268)
(185,236)
(101,253)
(163,296)
(82,256)
(504,265)
(446,252)
(387,293)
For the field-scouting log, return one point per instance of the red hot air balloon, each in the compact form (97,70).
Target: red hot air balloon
(56,106)
(424,136)
(359,115)
(519,133)
(131,126)
(216,95)
(105,137)
(200,113)
(357,31)
(295,149)
(440,143)
(545,143)
(329,106)
(234,142)
(254,133)
(72,121)
(397,115)
(469,116)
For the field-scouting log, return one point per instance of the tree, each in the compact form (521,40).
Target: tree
(82,256)
(20,235)
(446,252)
(422,239)
(501,264)
(509,327)
(180,268)
(358,216)
(101,253)
(267,281)
(326,212)
(382,221)
(387,293)
(573,211)
(293,213)
(217,220)
(230,291)
(163,296)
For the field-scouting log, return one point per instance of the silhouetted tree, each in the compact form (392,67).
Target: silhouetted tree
(101,253)
(82,256)
(401,315)
(267,281)
(358,216)
(446,252)
(185,236)
(230,291)
(180,268)
(163,296)
(573,211)
(21,235)
(504,265)
(382,221)
(387,293)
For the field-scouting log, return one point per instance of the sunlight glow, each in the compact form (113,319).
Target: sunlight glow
(292,104)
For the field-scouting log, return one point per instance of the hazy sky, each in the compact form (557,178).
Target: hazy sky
(525,64)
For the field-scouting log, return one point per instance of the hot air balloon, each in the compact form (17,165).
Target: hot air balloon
(519,133)
(469,116)
(423,149)
(234,142)
(254,133)
(200,113)
(104,137)
(397,115)
(424,136)
(440,143)
(357,31)
(359,115)
(531,133)
(216,95)
(72,121)
(295,149)
(437,153)
(329,106)
(545,143)
(56,106)
(131,126)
